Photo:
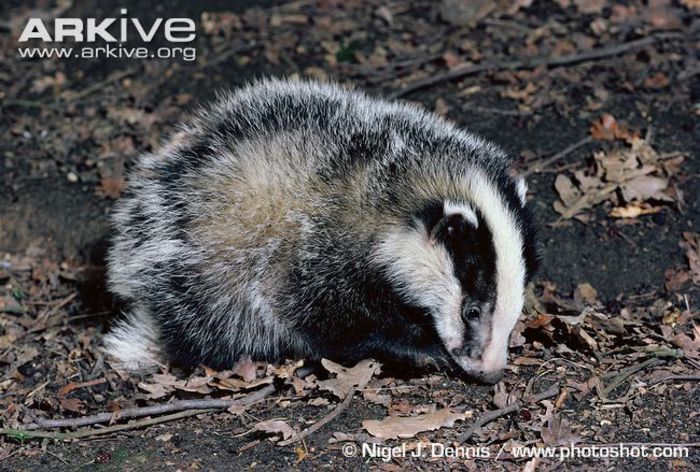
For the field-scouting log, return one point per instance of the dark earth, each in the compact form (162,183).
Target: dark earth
(71,129)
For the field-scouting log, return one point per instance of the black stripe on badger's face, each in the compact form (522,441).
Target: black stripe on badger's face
(462,231)
(463,262)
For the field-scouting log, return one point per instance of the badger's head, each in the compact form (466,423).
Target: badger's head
(465,262)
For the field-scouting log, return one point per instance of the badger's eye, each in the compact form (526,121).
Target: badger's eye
(471,313)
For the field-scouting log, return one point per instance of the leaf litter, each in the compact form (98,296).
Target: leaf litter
(633,180)
(89,139)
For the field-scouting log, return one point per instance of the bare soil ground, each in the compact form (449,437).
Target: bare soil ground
(611,324)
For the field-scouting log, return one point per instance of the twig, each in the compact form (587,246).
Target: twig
(489,416)
(532,62)
(677,377)
(21,434)
(203,404)
(73,96)
(626,372)
(495,111)
(538,165)
(12,454)
(66,389)
(320,423)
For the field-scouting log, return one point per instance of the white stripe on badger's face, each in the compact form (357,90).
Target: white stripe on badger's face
(510,274)
(423,273)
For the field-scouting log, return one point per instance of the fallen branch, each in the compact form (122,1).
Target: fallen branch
(320,423)
(180,405)
(489,416)
(22,434)
(532,62)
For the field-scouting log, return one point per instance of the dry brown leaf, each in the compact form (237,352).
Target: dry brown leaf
(662,15)
(275,427)
(585,294)
(393,427)
(657,81)
(690,346)
(245,368)
(465,13)
(583,335)
(285,371)
(452,60)
(195,385)
(644,188)
(539,321)
(373,395)
(607,128)
(634,174)
(691,244)
(633,210)
(348,380)
(238,384)
(555,431)
(691,4)
(318,401)
(25,355)
(155,391)
(675,279)
(501,397)
(74,405)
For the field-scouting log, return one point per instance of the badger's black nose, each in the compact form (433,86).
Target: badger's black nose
(489,378)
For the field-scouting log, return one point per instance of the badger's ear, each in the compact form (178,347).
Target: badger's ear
(454,229)
(448,221)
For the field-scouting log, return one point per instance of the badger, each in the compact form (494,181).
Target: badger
(296,219)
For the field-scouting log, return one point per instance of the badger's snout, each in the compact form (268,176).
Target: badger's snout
(477,368)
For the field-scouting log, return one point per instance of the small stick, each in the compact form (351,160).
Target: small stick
(677,377)
(321,423)
(626,372)
(532,62)
(66,389)
(489,416)
(203,404)
(21,434)
(537,166)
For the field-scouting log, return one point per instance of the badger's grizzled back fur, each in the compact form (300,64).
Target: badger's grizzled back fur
(301,219)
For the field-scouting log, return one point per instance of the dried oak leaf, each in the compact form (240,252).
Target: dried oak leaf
(275,427)
(348,380)
(393,427)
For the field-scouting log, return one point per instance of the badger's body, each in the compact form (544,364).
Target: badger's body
(300,219)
